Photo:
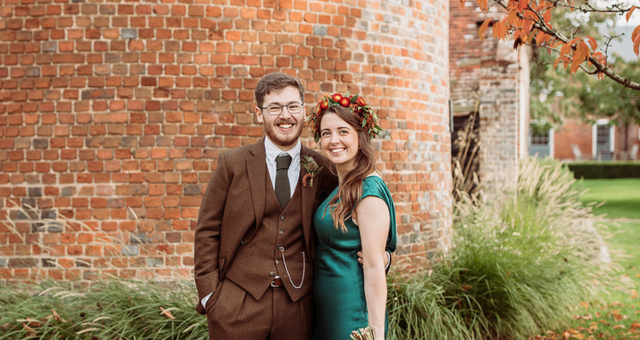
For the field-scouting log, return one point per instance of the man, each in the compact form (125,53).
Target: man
(254,244)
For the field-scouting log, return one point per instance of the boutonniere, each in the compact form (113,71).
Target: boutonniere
(311,167)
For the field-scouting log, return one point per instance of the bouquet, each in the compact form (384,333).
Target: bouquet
(362,334)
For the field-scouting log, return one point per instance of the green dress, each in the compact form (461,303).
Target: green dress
(338,287)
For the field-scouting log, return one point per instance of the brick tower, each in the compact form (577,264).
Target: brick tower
(113,114)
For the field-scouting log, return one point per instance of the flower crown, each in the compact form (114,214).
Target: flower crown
(355,103)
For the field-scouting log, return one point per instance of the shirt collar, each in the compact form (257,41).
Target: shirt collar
(273,151)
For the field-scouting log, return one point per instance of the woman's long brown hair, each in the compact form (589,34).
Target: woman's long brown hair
(344,204)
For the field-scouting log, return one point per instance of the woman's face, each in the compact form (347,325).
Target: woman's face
(339,141)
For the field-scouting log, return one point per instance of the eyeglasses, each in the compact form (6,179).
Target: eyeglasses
(275,109)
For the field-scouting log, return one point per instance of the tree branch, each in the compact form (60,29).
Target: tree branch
(615,8)
(599,66)
(586,70)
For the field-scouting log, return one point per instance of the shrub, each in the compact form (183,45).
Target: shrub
(594,170)
(518,261)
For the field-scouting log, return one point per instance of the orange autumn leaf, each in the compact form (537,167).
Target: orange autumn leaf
(541,37)
(633,8)
(483,28)
(635,37)
(561,58)
(499,30)
(547,16)
(513,19)
(619,326)
(600,57)
(484,5)
(522,4)
(592,42)
(566,48)
(582,52)
(584,304)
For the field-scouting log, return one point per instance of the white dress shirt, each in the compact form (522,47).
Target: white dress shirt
(272,152)
(294,169)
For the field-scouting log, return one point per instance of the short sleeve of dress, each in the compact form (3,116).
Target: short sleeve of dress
(375,186)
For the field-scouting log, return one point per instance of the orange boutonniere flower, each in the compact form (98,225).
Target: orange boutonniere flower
(311,167)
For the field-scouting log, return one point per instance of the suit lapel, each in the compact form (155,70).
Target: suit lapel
(308,198)
(257,171)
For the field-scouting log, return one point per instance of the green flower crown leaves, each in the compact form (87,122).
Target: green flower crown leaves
(355,103)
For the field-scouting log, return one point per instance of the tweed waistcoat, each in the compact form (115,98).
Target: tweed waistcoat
(261,259)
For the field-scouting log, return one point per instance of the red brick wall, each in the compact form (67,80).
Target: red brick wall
(576,132)
(113,115)
(572,132)
(489,77)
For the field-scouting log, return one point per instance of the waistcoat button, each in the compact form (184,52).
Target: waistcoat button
(281,232)
(281,218)
(272,274)
(243,242)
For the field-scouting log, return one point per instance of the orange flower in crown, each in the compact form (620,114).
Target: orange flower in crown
(355,103)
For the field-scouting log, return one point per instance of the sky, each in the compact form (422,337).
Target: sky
(624,46)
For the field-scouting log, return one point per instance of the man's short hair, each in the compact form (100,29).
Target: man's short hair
(276,82)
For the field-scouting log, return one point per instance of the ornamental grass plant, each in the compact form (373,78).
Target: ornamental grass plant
(98,306)
(113,309)
(520,258)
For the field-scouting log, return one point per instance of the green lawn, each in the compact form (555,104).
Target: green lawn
(615,315)
(622,196)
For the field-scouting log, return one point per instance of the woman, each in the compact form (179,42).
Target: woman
(359,214)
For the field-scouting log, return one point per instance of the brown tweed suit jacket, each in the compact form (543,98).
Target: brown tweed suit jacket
(233,206)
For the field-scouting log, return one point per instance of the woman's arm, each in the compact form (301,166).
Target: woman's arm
(373,220)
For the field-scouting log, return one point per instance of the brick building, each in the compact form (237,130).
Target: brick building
(576,140)
(489,79)
(113,115)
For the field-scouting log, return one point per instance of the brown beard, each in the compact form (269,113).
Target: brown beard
(276,139)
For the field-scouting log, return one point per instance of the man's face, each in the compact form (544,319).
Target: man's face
(285,128)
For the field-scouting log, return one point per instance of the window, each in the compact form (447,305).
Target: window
(541,139)
(603,140)
(541,145)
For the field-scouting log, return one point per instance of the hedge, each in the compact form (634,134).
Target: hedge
(592,170)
